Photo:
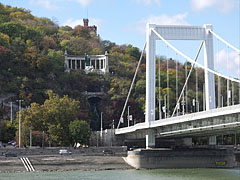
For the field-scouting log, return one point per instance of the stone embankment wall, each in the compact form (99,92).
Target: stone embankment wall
(182,158)
(106,138)
(118,150)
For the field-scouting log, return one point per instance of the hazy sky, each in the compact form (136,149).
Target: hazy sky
(124,21)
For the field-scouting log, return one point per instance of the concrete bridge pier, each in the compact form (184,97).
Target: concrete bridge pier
(150,139)
(212,140)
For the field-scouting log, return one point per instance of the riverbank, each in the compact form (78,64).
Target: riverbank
(49,163)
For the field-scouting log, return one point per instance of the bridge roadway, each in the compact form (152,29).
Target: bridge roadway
(213,122)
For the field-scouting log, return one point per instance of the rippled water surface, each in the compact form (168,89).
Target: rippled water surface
(160,174)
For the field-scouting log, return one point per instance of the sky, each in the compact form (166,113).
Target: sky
(124,21)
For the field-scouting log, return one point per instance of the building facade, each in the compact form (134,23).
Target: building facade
(91,29)
(97,63)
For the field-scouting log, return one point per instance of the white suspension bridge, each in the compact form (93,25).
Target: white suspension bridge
(213,120)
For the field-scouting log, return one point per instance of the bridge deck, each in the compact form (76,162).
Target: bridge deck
(225,117)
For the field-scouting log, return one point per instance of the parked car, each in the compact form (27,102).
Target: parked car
(237,148)
(108,152)
(10,154)
(64,152)
(12,142)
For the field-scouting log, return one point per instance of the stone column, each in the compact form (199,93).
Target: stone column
(70,63)
(106,62)
(66,64)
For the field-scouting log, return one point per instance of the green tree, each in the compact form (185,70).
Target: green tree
(80,132)
(52,118)
(7,131)
(13,29)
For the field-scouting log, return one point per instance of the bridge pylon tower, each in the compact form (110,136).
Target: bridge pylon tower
(176,32)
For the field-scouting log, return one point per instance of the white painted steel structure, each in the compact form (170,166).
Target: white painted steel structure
(194,117)
(177,33)
(150,128)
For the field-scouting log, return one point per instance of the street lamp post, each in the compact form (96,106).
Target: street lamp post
(178,108)
(160,111)
(152,115)
(11,117)
(19,139)
(165,104)
(194,103)
(183,104)
(221,96)
(30,140)
(101,134)
(128,115)
(101,122)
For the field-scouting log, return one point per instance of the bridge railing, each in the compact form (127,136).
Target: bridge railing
(213,118)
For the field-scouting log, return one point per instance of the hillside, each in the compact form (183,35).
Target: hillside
(32,62)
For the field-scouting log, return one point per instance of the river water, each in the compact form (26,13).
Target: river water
(159,174)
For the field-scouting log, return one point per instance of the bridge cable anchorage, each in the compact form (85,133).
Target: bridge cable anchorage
(191,60)
(199,50)
(134,77)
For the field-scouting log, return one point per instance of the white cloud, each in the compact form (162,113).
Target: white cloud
(140,26)
(53,4)
(148,2)
(84,2)
(73,23)
(222,5)
(48,4)
(231,65)
(92,21)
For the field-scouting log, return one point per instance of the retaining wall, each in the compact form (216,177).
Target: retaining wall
(182,158)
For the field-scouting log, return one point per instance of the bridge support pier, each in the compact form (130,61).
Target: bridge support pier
(150,139)
(212,140)
(184,142)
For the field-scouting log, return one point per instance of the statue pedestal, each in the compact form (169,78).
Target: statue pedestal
(88,69)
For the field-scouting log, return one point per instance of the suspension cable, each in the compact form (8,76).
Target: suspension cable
(186,88)
(228,89)
(197,103)
(219,78)
(189,59)
(177,81)
(167,108)
(159,90)
(188,76)
(228,44)
(134,77)
(239,78)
